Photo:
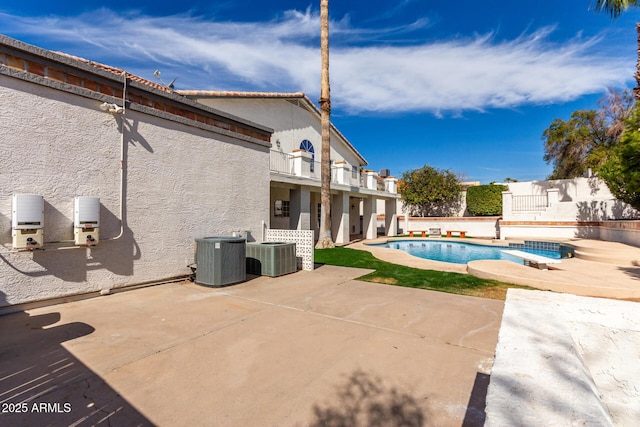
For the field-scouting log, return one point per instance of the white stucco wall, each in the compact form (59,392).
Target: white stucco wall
(473,226)
(621,231)
(549,231)
(182,182)
(292,124)
(402,211)
(579,199)
(584,208)
(569,189)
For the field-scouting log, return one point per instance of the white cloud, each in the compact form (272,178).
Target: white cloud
(443,77)
(473,74)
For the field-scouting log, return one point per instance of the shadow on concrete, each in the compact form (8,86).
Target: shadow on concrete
(475,415)
(41,383)
(633,272)
(363,401)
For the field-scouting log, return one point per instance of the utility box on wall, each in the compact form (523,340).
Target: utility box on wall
(27,221)
(86,221)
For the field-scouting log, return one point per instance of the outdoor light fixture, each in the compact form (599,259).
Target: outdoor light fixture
(111,108)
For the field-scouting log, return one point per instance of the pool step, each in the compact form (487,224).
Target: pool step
(607,252)
(618,258)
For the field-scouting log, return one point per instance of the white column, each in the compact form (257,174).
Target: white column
(553,196)
(369,215)
(390,217)
(406,223)
(340,217)
(507,205)
(301,163)
(299,209)
(343,172)
(370,181)
(391,185)
(354,216)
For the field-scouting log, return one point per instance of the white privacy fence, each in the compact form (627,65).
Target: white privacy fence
(304,244)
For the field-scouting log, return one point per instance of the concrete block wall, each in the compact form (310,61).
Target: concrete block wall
(181,182)
(474,226)
(621,231)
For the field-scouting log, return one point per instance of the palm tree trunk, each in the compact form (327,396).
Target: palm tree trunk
(324,237)
(636,90)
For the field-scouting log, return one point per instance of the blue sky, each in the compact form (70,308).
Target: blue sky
(467,86)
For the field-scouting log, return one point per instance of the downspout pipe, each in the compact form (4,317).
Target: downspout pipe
(122,156)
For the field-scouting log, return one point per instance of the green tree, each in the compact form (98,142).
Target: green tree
(584,141)
(568,143)
(621,170)
(430,192)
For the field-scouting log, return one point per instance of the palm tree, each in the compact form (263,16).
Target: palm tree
(615,8)
(324,237)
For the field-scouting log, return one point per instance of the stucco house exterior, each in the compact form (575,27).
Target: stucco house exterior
(358,194)
(166,170)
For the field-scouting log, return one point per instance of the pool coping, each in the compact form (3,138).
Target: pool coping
(575,276)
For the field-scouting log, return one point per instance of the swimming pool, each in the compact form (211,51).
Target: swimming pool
(462,253)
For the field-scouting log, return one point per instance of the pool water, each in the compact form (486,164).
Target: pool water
(461,253)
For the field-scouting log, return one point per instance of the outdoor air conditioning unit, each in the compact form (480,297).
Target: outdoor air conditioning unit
(384,173)
(271,258)
(220,261)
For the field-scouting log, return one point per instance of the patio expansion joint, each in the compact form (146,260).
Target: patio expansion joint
(184,341)
(365,324)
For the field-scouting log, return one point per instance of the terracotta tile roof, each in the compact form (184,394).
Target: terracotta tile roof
(240,94)
(116,71)
(22,57)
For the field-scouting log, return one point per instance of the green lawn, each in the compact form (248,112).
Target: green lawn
(393,274)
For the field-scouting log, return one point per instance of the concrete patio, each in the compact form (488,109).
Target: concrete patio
(565,360)
(310,348)
(561,359)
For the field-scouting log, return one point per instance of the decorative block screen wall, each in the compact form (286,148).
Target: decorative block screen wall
(304,244)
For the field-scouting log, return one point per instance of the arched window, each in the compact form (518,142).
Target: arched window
(307,146)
